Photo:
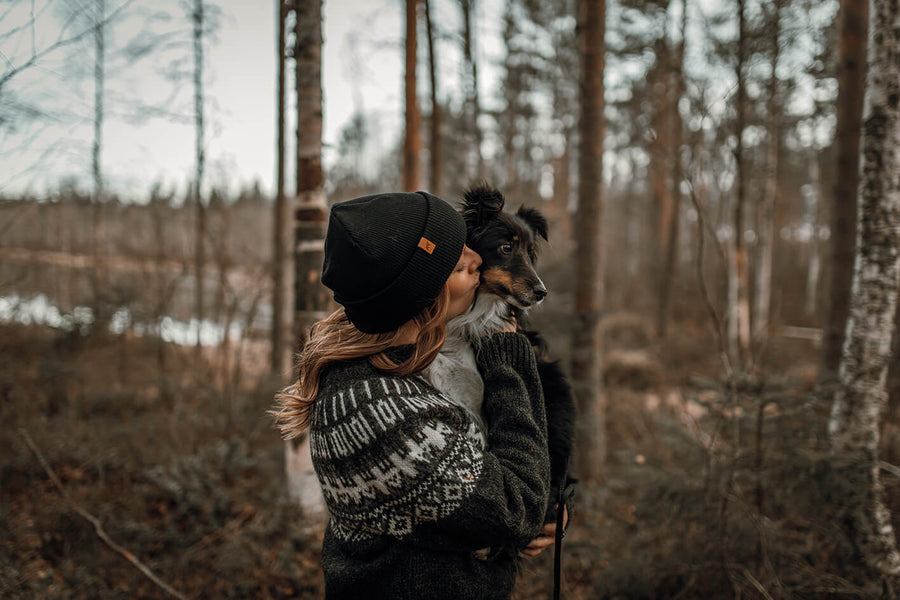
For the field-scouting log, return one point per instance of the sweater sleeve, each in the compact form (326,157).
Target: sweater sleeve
(512,495)
(508,503)
(395,458)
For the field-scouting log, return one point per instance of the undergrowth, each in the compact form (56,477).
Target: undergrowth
(714,489)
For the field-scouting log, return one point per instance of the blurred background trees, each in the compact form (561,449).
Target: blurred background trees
(697,163)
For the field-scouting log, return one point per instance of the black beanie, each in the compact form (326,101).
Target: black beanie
(387,256)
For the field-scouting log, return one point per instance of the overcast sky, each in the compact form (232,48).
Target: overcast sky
(362,69)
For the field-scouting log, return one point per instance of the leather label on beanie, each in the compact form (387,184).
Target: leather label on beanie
(426,245)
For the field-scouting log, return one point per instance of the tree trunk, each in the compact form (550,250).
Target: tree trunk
(893,382)
(472,102)
(158,207)
(558,207)
(660,169)
(510,170)
(738,302)
(412,142)
(311,298)
(96,165)
(851,88)
(200,158)
(861,399)
(763,289)
(281,321)
(436,154)
(586,334)
(676,90)
(633,215)
(512,87)
(812,215)
(224,309)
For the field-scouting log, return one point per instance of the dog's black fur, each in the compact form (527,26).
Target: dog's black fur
(508,245)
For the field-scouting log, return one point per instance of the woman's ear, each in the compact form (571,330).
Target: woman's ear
(480,204)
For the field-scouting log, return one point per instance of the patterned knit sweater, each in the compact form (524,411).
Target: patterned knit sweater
(419,507)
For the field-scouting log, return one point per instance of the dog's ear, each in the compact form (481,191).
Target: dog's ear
(480,204)
(535,220)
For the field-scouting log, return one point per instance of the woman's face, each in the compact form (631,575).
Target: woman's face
(463,282)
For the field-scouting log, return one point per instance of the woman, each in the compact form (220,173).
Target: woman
(419,507)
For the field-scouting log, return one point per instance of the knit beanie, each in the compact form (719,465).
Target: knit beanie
(387,256)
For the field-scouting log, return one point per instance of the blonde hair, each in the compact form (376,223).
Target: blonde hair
(335,338)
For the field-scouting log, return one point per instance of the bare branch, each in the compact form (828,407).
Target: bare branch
(61,42)
(701,279)
(98,526)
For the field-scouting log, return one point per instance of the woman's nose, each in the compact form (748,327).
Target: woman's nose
(475,261)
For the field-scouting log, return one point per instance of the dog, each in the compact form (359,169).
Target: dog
(508,244)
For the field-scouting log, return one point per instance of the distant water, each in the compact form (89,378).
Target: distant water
(38,310)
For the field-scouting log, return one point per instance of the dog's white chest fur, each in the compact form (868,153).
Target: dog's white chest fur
(454,372)
(456,375)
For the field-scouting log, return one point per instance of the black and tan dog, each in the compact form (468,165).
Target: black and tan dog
(508,244)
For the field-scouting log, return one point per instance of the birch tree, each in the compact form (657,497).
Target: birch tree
(311,298)
(199,166)
(586,334)
(862,396)
(98,17)
(97,146)
(893,382)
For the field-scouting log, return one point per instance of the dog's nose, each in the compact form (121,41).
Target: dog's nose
(540,292)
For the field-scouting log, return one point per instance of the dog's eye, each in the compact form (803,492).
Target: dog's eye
(506,248)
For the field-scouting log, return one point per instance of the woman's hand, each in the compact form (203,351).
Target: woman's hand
(547,537)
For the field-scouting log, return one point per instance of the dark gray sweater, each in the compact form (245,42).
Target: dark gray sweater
(419,509)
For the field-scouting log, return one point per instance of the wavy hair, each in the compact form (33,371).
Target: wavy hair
(335,338)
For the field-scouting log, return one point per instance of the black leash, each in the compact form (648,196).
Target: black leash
(565,492)
(557,551)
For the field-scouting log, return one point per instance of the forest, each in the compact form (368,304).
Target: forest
(721,180)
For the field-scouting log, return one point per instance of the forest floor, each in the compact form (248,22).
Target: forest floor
(185,473)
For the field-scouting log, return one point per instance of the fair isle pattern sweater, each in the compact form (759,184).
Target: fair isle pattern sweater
(413,494)
(385,477)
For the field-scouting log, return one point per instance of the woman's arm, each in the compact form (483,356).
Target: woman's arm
(517,431)
(396,458)
(506,507)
